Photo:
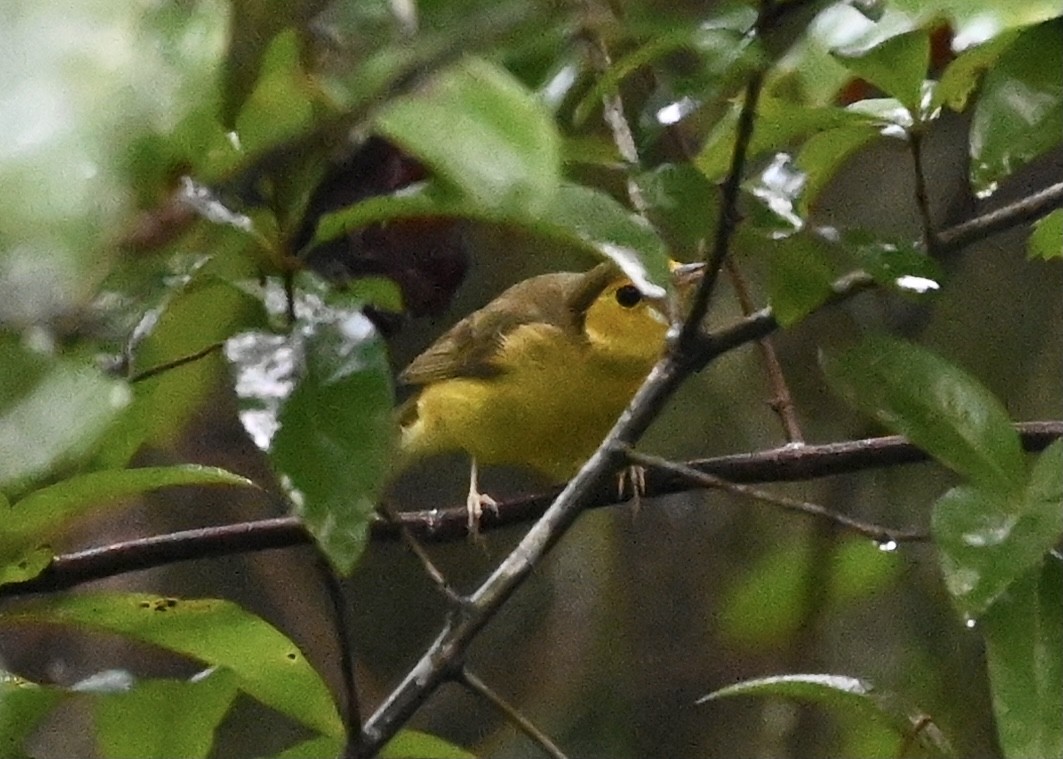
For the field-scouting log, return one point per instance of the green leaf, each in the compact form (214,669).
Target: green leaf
(413,744)
(898,265)
(780,124)
(481,131)
(1020,112)
(23,704)
(824,153)
(1046,241)
(1024,651)
(682,203)
(578,215)
(936,405)
(896,66)
(53,412)
(204,308)
(35,519)
(267,665)
(988,540)
(961,77)
(314,748)
(164,718)
(320,403)
(800,278)
(847,695)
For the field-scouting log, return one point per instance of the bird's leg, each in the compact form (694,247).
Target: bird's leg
(476,501)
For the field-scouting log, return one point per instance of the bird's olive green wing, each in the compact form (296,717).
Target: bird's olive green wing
(471,347)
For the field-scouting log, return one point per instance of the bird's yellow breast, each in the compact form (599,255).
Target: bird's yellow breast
(553,400)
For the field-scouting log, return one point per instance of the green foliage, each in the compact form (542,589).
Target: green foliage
(157,164)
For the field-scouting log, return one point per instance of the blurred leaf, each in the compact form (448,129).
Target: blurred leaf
(164,718)
(936,405)
(1020,112)
(1024,651)
(682,203)
(800,278)
(205,307)
(767,602)
(777,188)
(824,153)
(780,125)
(33,520)
(253,28)
(898,265)
(279,107)
(267,665)
(413,744)
(961,77)
(481,131)
(52,413)
(1046,241)
(23,704)
(848,694)
(988,540)
(320,403)
(897,66)
(69,117)
(581,216)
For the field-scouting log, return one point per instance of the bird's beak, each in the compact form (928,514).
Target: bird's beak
(687,276)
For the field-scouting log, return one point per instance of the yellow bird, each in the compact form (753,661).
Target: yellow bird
(538,376)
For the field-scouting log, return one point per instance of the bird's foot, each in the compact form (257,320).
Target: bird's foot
(475,505)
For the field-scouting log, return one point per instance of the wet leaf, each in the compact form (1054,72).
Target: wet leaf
(267,665)
(1024,650)
(936,405)
(987,540)
(319,401)
(849,694)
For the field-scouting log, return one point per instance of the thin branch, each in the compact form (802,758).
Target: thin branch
(168,365)
(876,532)
(1027,209)
(434,574)
(342,627)
(785,464)
(922,196)
(518,720)
(782,402)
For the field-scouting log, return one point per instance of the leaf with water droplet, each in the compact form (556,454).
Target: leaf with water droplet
(988,540)
(849,695)
(319,401)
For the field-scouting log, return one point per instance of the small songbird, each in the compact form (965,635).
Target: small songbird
(538,376)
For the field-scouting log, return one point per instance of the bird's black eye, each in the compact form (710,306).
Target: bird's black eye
(628,296)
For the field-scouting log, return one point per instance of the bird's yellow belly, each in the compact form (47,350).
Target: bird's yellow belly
(548,415)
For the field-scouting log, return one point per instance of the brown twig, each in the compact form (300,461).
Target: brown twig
(352,719)
(782,402)
(876,532)
(1029,208)
(785,464)
(168,365)
(483,690)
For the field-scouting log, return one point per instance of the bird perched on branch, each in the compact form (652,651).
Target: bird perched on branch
(538,376)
